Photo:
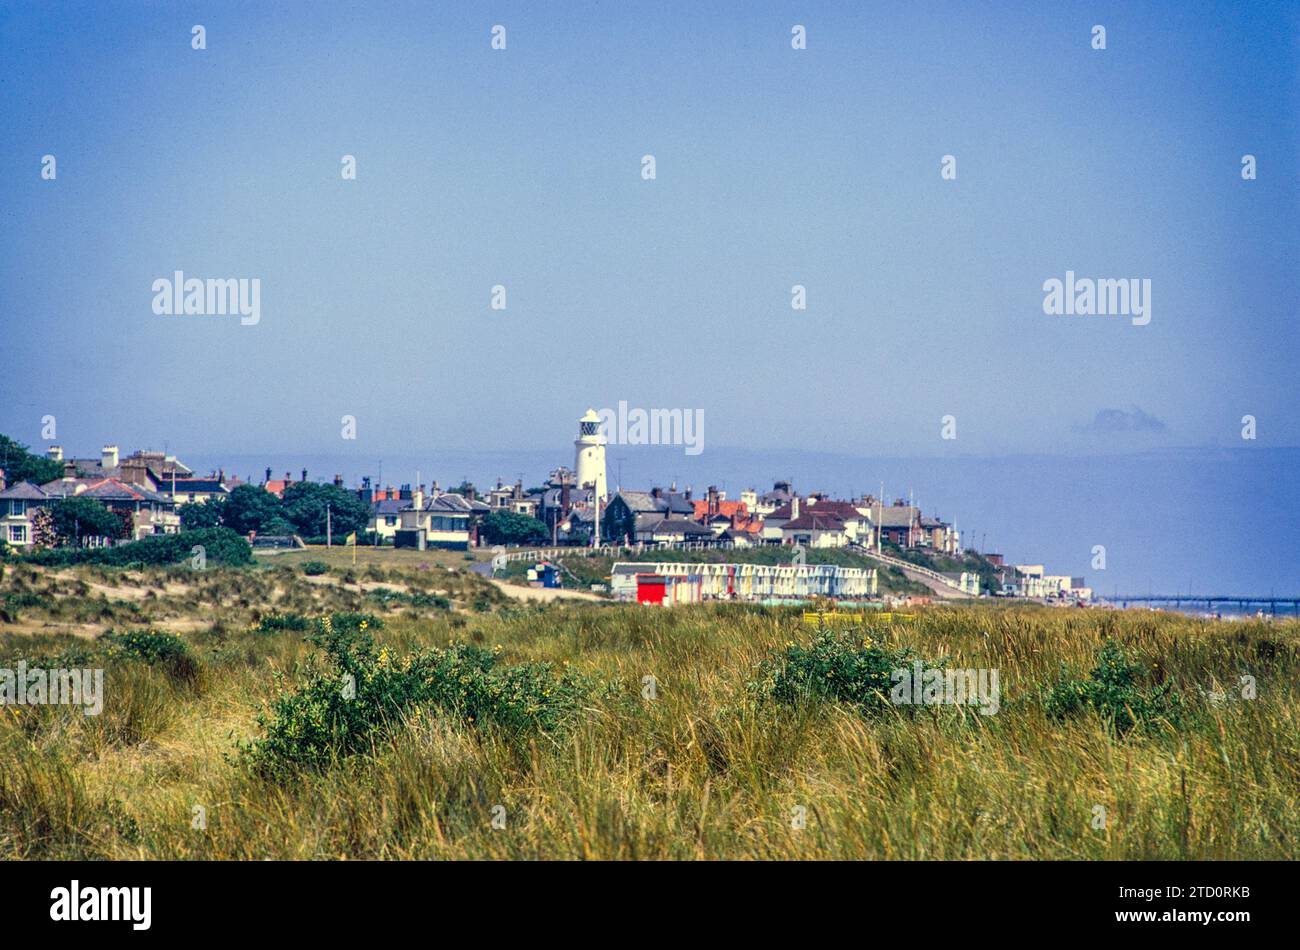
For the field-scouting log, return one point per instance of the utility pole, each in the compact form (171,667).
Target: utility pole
(329,526)
(880,526)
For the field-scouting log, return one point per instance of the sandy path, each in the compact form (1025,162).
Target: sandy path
(543,593)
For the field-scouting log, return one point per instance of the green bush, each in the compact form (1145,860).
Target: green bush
(848,666)
(1115,689)
(275,623)
(220,546)
(315,568)
(358,692)
(164,650)
(385,595)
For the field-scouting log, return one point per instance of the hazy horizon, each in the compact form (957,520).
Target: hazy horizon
(522,168)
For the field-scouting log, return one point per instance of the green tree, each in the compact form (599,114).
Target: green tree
(201,514)
(21,465)
(305,504)
(77,518)
(251,508)
(508,527)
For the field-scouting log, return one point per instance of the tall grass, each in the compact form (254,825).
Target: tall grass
(705,769)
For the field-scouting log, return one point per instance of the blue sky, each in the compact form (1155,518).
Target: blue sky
(775,167)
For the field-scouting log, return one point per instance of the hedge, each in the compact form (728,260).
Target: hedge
(220,546)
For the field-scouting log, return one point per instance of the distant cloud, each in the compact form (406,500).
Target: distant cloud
(1111,421)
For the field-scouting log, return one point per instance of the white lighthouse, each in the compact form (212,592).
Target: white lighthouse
(590,462)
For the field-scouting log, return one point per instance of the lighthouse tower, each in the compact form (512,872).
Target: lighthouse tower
(590,462)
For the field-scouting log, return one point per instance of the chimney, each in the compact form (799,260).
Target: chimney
(712,497)
(417,498)
(688,492)
(108,458)
(519,488)
(288,477)
(338,481)
(221,476)
(55,453)
(656,492)
(404,493)
(304,474)
(794,507)
(268,474)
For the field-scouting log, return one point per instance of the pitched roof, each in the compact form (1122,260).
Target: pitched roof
(112,489)
(675,502)
(637,501)
(844,510)
(728,508)
(896,516)
(814,521)
(681,526)
(23,491)
(450,501)
(195,484)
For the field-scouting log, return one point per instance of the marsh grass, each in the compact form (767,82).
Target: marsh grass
(706,769)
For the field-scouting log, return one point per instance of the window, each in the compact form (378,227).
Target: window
(18,533)
(17,508)
(390,520)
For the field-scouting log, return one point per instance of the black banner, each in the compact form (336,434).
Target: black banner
(143,900)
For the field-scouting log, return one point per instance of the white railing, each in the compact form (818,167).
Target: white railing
(577,550)
(909,566)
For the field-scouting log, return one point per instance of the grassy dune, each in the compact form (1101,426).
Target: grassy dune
(709,768)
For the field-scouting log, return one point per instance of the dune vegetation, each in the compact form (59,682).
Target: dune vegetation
(422,712)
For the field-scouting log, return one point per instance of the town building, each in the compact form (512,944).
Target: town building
(670,583)
(442,520)
(18,504)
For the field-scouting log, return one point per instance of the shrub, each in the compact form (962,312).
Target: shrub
(359,692)
(1114,689)
(274,623)
(220,545)
(315,568)
(846,665)
(164,650)
(385,595)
